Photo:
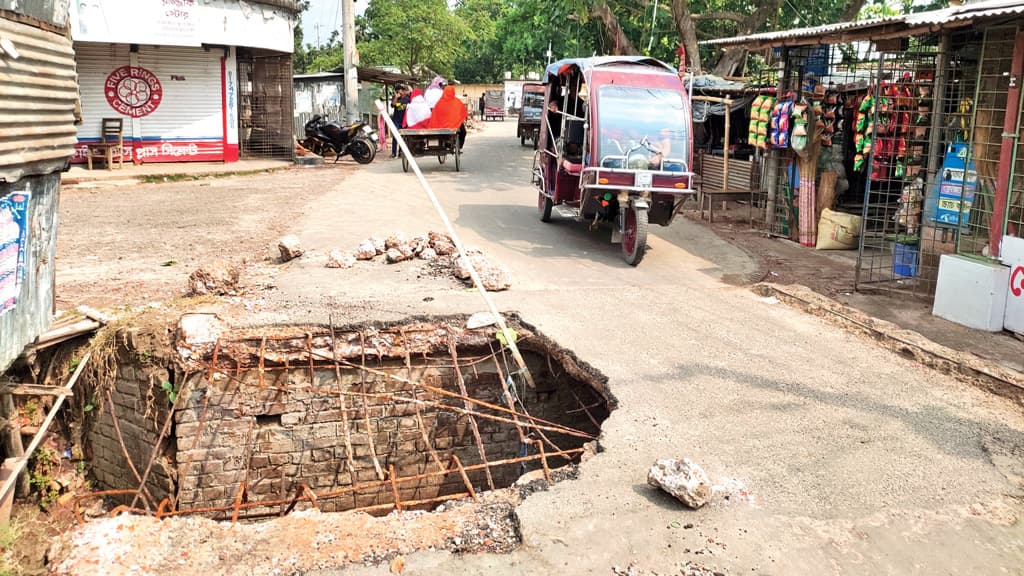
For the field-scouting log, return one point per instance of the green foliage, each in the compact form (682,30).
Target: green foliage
(45,463)
(416,36)
(170,390)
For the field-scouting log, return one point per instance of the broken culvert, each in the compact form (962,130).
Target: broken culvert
(256,423)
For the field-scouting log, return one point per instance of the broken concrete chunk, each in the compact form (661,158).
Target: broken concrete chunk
(339,259)
(215,278)
(394,240)
(399,254)
(493,277)
(435,236)
(366,250)
(419,244)
(682,479)
(378,244)
(198,333)
(426,254)
(290,247)
(444,247)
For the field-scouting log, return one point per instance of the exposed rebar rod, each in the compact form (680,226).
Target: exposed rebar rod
(426,437)
(344,407)
(472,420)
(354,488)
(124,449)
(369,437)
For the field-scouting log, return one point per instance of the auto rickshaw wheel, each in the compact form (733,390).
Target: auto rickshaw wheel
(634,236)
(458,155)
(544,205)
(405,163)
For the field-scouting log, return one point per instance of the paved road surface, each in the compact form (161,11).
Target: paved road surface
(859,461)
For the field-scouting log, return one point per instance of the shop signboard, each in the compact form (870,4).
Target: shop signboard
(13,239)
(174,22)
(1013,256)
(955,198)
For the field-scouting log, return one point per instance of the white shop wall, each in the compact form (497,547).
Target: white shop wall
(188,123)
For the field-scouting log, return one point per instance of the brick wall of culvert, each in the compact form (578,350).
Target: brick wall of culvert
(296,424)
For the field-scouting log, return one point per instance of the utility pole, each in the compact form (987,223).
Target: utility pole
(317,28)
(348,38)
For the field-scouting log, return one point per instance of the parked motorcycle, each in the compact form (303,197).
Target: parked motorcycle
(325,138)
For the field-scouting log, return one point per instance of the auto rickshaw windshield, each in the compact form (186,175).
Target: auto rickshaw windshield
(533,105)
(630,114)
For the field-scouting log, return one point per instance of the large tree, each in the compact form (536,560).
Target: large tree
(414,35)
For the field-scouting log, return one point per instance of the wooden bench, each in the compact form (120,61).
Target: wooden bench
(111,144)
(743,181)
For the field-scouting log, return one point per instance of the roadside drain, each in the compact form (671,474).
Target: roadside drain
(377,419)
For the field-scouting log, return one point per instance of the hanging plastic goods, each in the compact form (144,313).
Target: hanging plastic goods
(780,124)
(763,121)
(755,119)
(801,130)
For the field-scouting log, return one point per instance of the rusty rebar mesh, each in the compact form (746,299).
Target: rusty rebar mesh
(368,353)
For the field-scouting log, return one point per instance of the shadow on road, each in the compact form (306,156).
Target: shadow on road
(518,228)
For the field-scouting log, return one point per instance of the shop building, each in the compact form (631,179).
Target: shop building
(192,80)
(899,138)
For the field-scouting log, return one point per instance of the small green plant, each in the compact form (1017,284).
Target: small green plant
(80,467)
(170,390)
(74,365)
(45,464)
(10,534)
(29,412)
(90,405)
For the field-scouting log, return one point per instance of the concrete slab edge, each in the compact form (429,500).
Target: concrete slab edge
(966,366)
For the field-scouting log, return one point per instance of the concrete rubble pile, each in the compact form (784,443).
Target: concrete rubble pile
(434,247)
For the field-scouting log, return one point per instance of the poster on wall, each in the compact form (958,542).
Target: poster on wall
(956,197)
(13,241)
(173,22)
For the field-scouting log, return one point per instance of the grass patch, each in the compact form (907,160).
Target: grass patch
(166,178)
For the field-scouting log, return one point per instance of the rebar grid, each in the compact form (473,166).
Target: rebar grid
(222,365)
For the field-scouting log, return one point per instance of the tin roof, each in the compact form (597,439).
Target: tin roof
(908,24)
(38,100)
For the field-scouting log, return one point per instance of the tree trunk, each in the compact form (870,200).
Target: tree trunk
(851,10)
(733,59)
(622,45)
(687,32)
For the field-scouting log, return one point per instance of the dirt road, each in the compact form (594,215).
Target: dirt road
(856,460)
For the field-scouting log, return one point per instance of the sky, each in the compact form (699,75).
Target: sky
(327,15)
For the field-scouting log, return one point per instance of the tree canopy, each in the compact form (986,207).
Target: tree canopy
(479,40)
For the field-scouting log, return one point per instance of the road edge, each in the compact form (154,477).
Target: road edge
(973,369)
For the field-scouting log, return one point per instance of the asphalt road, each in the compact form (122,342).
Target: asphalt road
(858,461)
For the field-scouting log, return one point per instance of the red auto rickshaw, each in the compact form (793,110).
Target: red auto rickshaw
(615,146)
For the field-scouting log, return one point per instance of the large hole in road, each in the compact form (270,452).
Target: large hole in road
(405,416)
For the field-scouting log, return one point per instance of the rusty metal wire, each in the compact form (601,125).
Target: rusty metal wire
(474,408)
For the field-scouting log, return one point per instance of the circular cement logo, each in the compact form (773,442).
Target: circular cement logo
(133,91)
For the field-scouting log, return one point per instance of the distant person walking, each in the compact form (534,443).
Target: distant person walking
(483,105)
(398,104)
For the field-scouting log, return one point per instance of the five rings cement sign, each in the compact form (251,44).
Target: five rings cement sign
(133,91)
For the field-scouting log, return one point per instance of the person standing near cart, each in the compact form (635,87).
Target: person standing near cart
(398,104)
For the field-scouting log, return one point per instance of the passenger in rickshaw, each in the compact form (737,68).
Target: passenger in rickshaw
(449,113)
(417,115)
(434,91)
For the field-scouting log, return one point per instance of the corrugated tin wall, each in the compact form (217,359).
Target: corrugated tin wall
(34,307)
(38,95)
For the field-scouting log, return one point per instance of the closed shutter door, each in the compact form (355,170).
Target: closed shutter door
(95,62)
(188,124)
